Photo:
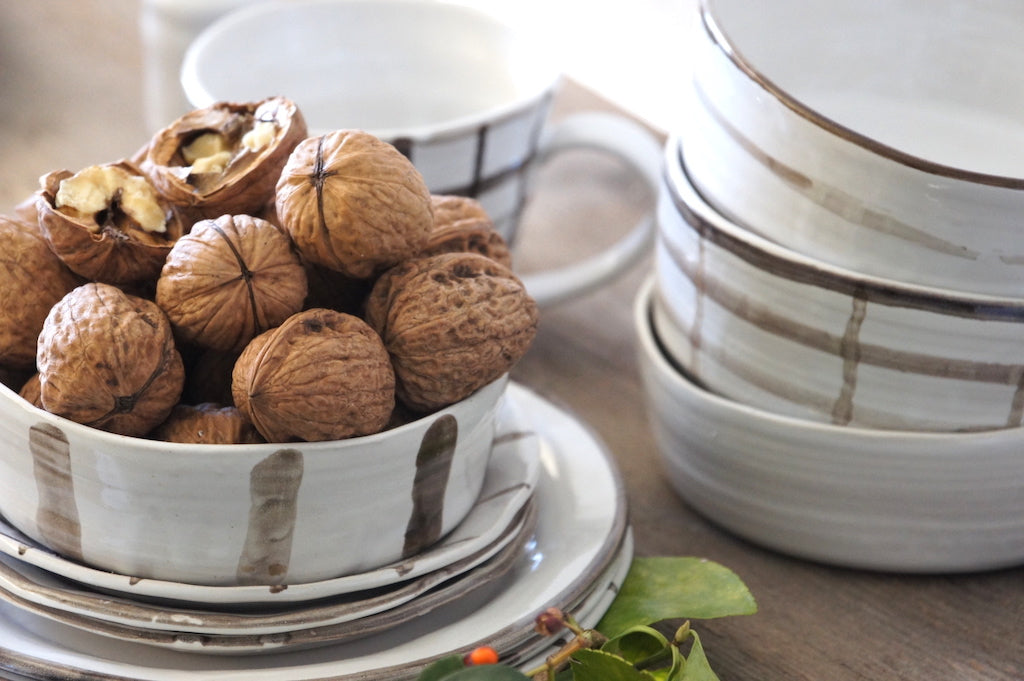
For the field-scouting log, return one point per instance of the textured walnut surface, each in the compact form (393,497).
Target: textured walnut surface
(108,359)
(321,375)
(353,203)
(32,280)
(452,324)
(229,280)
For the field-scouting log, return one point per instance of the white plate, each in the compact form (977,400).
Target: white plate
(41,592)
(215,634)
(511,475)
(580,533)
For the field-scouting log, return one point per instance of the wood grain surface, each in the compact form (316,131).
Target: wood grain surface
(71,96)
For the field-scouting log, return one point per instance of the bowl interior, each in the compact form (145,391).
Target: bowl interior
(942,80)
(382,65)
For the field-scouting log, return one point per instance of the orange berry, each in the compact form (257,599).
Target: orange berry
(481,655)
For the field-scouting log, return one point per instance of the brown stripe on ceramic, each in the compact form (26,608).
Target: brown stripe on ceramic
(1016,416)
(751,374)
(57,513)
(478,161)
(737,303)
(433,464)
(836,201)
(273,488)
(875,290)
(850,351)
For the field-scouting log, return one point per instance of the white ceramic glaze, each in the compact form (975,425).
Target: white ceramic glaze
(471,113)
(250,633)
(509,482)
(581,547)
(516,470)
(769,327)
(268,514)
(864,498)
(885,140)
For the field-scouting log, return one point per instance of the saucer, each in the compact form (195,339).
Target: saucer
(581,532)
(509,481)
(246,634)
(40,592)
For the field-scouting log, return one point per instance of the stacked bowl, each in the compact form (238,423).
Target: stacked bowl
(832,339)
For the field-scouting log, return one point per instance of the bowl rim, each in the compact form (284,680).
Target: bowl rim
(719,36)
(709,224)
(540,88)
(666,369)
(136,446)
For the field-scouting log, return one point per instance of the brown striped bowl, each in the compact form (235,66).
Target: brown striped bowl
(887,141)
(889,500)
(771,328)
(266,514)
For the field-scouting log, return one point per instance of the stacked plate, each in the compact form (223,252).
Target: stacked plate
(549,528)
(832,341)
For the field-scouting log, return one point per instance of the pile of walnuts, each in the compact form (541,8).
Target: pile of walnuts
(238,281)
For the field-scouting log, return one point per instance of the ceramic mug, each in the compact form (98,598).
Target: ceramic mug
(464,95)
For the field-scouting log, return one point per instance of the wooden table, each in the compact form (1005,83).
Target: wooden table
(71,96)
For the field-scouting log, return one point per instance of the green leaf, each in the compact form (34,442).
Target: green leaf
(697,666)
(597,665)
(661,588)
(442,668)
(636,644)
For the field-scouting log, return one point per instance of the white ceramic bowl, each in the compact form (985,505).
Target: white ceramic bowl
(466,111)
(886,500)
(883,139)
(769,327)
(269,514)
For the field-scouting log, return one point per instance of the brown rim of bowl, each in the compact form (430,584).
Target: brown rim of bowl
(767,255)
(721,39)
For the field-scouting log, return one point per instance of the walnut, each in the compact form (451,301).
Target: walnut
(449,208)
(452,324)
(322,375)
(207,424)
(229,280)
(31,391)
(353,203)
(107,222)
(107,359)
(461,225)
(225,158)
(32,280)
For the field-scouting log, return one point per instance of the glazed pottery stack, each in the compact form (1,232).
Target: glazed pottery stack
(832,338)
(364,558)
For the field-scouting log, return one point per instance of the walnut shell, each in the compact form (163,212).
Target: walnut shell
(31,391)
(107,359)
(32,280)
(461,225)
(452,324)
(236,172)
(322,375)
(353,203)
(206,424)
(229,280)
(449,208)
(114,228)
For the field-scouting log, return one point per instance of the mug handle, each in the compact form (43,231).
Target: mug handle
(638,148)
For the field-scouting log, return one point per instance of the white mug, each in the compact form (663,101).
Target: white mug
(463,94)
